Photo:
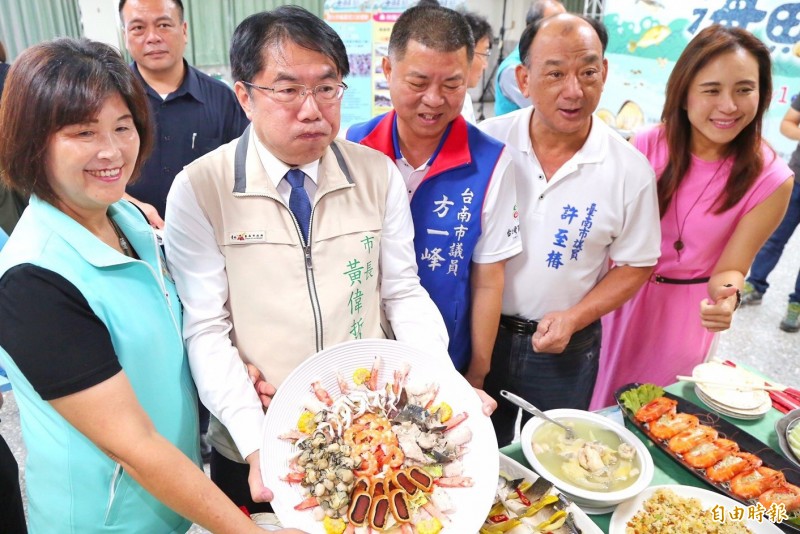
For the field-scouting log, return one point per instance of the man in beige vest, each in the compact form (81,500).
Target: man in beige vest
(269,236)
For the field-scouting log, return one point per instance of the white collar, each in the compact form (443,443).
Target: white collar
(276,169)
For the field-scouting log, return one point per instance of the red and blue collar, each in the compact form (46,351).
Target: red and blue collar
(453,150)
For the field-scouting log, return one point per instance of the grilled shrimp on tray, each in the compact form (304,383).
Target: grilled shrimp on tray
(370,457)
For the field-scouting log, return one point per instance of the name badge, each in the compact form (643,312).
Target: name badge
(248,237)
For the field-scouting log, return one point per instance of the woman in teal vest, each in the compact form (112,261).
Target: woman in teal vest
(90,324)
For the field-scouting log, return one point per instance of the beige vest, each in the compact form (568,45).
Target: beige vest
(287,301)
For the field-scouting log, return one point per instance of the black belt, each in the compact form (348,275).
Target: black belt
(579,339)
(518,325)
(658,279)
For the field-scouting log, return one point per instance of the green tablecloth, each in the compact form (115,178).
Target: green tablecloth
(667,470)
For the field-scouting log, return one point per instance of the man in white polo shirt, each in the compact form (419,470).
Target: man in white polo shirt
(587,198)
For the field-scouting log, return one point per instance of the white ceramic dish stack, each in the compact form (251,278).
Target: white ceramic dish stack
(739,403)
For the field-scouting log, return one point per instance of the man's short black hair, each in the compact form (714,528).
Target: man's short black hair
(293,24)
(178,3)
(530,32)
(436,27)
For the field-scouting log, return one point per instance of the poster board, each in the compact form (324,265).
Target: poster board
(365,27)
(647,36)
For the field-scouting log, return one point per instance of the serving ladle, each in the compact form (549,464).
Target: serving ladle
(530,408)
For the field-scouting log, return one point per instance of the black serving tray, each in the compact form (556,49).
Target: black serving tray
(747,443)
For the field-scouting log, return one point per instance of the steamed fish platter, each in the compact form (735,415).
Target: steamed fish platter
(596,459)
(520,508)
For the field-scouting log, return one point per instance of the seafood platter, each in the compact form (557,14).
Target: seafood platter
(377,436)
(599,465)
(525,503)
(732,461)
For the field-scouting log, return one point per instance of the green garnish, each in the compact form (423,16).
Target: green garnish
(633,399)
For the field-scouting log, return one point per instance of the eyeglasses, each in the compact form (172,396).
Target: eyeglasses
(324,93)
(486,55)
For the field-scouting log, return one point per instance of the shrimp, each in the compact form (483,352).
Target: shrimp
(321,393)
(732,465)
(372,383)
(655,409)
(709,453)
(753,483)
(669,425)
(393,456)
(785,494)
(686,440)
(368,467)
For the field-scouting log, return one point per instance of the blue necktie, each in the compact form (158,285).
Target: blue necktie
(298,200)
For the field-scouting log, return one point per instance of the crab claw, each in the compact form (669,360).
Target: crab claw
(307,504)
(293,477)
(455,421)
(454,482)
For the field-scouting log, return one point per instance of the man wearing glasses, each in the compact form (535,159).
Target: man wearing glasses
(287,240)
(459,180)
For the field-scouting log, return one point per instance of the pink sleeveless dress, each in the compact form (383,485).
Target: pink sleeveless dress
(657,334)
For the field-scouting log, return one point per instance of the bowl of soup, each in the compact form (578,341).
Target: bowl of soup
(600,466)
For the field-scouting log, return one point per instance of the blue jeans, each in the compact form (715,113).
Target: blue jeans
(767,258)
(547,381)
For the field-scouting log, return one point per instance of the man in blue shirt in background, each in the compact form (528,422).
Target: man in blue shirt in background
(193,112)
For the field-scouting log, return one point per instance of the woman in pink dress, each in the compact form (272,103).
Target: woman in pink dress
(722,191)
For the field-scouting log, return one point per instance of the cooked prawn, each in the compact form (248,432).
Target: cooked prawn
(732,465)
(368,467)
(393,456)
(668,425)
(655,409)
(709,453)
(686,440)
(751,484)
(785,494)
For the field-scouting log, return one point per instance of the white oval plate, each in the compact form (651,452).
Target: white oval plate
(480,462)
(708,499)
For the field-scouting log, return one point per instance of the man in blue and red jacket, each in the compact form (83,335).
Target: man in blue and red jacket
(460,181)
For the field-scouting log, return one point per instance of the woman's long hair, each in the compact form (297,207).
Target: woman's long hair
(748,162)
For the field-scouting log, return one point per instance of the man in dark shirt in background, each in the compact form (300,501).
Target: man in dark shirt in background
(194,113)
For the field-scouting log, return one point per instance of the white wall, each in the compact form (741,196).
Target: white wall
(100,21)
